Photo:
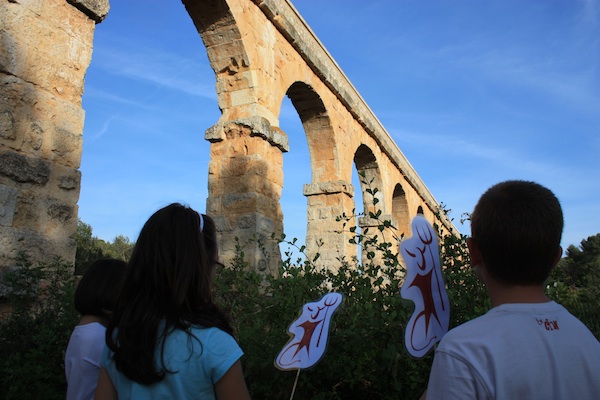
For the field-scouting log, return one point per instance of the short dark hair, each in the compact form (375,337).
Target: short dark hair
(97,290)
(517,226)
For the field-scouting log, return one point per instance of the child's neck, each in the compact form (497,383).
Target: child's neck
(500,294)
(88,319)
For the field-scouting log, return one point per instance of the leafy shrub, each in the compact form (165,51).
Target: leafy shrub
(575,282)
(366,357)
(35,335)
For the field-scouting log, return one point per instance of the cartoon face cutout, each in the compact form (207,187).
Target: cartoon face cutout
(424,285)
(309,334)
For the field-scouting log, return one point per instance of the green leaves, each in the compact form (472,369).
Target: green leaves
(575,282)
(366,357)
(90,248)
(35,335)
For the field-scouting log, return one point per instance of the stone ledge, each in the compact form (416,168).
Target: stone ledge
(258,126)
(96,10)
(329,187)
(367,222)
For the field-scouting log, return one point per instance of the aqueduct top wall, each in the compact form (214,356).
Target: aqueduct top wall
(260,52)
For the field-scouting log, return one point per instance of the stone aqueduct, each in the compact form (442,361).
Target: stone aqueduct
(260,51)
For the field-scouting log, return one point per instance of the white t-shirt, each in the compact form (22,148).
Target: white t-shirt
(82,360)
(518,351)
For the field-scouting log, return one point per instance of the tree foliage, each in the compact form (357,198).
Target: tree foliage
(575,282)
(35,335)
(365,358)
(91,248)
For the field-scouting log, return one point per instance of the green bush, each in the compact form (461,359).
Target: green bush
(575,282)
(35,335)
(366,357)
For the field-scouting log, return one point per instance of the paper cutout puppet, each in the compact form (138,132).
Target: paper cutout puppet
(309,334)
(424,285)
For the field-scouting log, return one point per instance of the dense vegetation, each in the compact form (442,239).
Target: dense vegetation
(91,248)
(365,356)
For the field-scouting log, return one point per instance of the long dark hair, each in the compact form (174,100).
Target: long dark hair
(167,286)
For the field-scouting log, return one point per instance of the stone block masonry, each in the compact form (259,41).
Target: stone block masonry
(45,50)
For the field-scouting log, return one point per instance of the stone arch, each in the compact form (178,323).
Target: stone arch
(260,51)
(327,195)
(317,128)
(401,217)
(372,189)
(370,178)
(219,31)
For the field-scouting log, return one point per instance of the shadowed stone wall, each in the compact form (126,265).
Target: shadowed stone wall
(45,49)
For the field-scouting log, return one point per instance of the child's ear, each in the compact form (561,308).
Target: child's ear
(558,256)
(474,252)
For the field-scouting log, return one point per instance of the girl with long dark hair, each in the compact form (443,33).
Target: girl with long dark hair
(166,337)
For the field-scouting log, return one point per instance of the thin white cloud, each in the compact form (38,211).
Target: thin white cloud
(590,12)
(104,128)
(158,67)
(478,153)
(95,93)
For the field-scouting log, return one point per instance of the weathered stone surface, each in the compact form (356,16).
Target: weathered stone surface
(60,211)
(70,182)
(23,169)
(329,187)
(7,130)
(8,202)
(45,49)
(254,126)
(43,124)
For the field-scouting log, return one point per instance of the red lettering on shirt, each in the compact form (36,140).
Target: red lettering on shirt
(548,325)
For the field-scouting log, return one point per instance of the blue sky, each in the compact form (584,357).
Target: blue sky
(473,92)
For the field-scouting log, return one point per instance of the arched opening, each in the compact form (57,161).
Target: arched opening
(400,211)
(370,179)
(296,172)
(317,127)
(371,192)
(308,161)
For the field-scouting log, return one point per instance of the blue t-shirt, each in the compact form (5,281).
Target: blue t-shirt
(197,364)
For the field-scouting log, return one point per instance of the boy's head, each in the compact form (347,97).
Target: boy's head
(517,227)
